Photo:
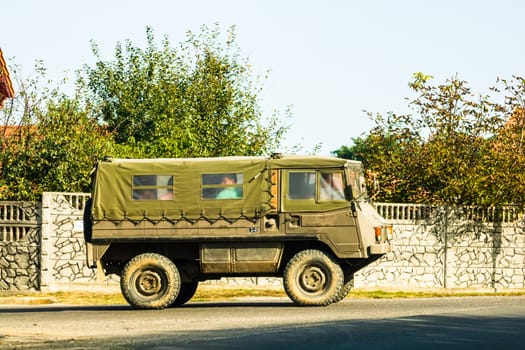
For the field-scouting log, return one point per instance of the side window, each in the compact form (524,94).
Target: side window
(152,187)
(222,186)
(301,185)
(331,186)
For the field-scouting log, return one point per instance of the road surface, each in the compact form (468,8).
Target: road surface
(433,323)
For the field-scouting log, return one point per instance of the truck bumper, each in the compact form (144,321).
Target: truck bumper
(379,248)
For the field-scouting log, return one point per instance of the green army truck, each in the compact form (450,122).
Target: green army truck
(163,225)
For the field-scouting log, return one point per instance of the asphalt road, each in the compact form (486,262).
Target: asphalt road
(437,323)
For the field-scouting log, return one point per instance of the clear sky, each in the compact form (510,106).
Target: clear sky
(329,60)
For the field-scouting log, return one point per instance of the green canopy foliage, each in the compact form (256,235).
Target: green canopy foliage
(199,99)
(457,148)
(49,143)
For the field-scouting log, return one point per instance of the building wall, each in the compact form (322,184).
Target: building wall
(434,248)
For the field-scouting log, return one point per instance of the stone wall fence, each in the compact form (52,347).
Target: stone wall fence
(448,247)
(20,245)
(435,247)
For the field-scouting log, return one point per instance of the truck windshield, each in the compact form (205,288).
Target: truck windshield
(356,180)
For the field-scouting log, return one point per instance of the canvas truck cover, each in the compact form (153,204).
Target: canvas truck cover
(115,180)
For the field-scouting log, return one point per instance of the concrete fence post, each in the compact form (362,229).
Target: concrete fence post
(46,246)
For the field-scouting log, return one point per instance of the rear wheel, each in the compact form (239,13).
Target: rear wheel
(313,278)
(187,291)
(150,281)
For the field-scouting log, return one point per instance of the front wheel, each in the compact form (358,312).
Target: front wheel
(150,281)
(313,278)
(347,287)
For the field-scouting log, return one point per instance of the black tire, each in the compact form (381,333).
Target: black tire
(187,291)
(313,278)
(347,287)
(88,221)
(150,281)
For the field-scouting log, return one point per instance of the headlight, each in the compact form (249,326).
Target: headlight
(390,232)
(378,233)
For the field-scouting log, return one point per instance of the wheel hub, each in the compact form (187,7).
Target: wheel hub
(149,282)
(313,279)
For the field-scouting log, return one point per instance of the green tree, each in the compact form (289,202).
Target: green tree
(199,99)
(439,153)
(386,153)
(504,162)
(49,143)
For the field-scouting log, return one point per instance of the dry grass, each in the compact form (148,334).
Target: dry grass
(381,294)
(216,294)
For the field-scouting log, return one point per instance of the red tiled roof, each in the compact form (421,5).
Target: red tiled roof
(6,87)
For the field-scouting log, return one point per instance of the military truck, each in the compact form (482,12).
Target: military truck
(163,225)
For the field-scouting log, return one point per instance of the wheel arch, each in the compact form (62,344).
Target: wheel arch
(120,253)
(292,248)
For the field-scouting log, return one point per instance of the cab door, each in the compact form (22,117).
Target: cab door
(314,203)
